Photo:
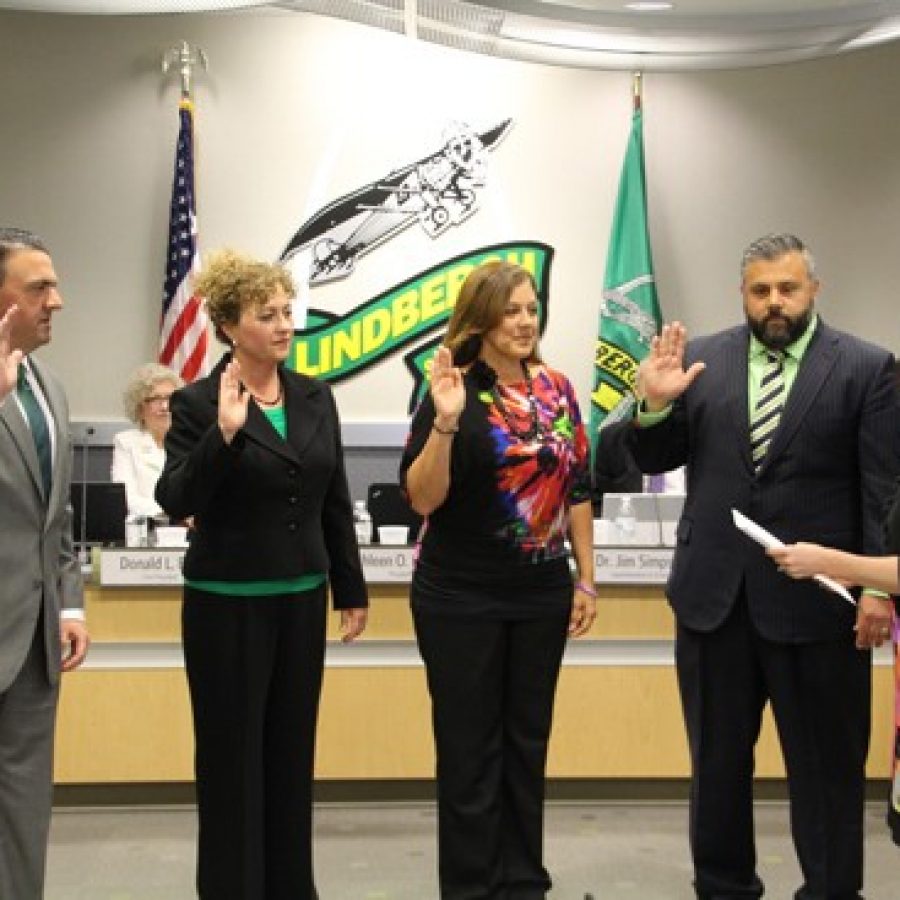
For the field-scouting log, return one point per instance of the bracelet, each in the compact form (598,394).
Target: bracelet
(586,589)
(444,430)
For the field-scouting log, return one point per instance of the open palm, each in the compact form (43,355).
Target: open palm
(233,401)
(447,390)
(9,359)
(662,376)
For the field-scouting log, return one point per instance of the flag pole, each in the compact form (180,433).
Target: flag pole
(637,88)
(184,324)
(629,314)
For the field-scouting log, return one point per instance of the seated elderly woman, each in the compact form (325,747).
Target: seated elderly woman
(138,454)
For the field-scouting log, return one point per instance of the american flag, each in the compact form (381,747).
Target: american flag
(183,331)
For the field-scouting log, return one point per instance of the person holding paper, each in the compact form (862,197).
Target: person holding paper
(795,425)
(805,560)
(254,455)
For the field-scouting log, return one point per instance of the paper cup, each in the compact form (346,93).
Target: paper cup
(393,534)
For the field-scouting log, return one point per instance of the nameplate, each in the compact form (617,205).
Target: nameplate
(384,564)
(162,567)
(381,565)
(152,567)
(632,565)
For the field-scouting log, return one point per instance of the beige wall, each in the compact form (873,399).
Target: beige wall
(298,109)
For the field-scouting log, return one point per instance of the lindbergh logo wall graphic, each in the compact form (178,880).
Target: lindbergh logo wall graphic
(437,191)
(336,347)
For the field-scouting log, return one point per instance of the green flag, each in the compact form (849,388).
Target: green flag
(629,311)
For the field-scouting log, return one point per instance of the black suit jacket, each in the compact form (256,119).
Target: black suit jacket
(827,478)
(264,508)
(615,471)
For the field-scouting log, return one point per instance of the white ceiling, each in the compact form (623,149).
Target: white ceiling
(714,7)
(594,33)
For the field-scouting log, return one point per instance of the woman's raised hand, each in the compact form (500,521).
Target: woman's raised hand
(233,401)
(447,390)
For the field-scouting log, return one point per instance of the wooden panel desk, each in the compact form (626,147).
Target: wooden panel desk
(125,716)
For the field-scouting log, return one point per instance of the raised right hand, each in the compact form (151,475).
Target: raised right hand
(233,402)
(661,376)
(447,389)
(9,358)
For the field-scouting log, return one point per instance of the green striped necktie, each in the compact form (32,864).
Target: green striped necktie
(769,406)
(37,422)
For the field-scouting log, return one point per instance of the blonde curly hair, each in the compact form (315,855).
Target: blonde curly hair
(230,282)
(142,384)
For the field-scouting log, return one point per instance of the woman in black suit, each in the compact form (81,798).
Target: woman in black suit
(254,456)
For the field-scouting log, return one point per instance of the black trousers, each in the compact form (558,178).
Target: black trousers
(492,686)
(821,696)
(254,668)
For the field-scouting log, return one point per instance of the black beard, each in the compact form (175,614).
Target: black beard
(780,339)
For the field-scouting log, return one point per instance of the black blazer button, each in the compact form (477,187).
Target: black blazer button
(292,526)
(293,500)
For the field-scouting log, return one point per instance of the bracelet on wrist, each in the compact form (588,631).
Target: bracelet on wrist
(586,589)
(440,430)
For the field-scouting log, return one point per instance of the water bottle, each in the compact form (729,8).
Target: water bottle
(625,520)
(137,532)
(362,522)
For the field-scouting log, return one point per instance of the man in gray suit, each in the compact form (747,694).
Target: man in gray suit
(795,425)
(42,626)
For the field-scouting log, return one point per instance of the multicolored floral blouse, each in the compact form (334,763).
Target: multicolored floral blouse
(518,463)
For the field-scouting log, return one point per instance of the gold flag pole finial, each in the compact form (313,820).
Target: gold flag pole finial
(637,89)
(186,58)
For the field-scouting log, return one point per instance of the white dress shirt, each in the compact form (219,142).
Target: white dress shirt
(138,463)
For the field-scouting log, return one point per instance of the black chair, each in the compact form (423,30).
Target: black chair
(98,512)
(388,506)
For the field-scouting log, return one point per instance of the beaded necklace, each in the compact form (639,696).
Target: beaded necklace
(263,402)
(537,427)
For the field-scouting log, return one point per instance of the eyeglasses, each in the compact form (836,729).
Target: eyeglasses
(157,399)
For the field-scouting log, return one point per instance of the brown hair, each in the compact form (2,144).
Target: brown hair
(231,282)
(480,307)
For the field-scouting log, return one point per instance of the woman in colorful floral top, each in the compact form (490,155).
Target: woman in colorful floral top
(497,459)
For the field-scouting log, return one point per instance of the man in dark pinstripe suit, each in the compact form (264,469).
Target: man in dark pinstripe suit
(746,633)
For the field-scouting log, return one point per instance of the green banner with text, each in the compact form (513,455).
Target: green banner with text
(337,347)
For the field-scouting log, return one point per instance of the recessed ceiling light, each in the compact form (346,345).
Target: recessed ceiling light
(649,6)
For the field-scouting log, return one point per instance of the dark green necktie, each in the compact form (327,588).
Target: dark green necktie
(37,422)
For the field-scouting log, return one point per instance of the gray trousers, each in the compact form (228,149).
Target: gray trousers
(27,718)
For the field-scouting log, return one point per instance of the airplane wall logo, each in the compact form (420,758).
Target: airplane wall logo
(437,192)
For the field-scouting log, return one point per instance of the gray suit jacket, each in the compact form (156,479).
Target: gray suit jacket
(37,563)
(828,477)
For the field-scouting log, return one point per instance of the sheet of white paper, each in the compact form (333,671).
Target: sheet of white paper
(768,540)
